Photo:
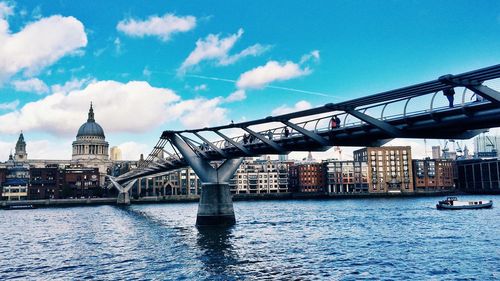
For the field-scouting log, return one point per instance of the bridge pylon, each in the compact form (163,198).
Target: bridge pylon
(123,195)
(216,203)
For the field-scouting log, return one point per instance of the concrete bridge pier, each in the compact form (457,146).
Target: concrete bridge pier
(123,195)
(216,203)
(123,198)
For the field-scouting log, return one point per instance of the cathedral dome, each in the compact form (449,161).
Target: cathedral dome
(90,128)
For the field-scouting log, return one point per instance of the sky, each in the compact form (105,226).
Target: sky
(150,66)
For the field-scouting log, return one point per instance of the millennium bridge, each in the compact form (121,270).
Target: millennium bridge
(450,107)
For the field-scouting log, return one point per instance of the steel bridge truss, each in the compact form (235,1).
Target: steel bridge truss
(418,111)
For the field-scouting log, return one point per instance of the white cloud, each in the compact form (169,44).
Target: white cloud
(132,150)
(117,107)
(202,87)
(33,85)
(46,149)
(6,10)
(215,48)
(312,55)
(255,50)
(38,149)
(72,85)
(259,77)
(162,27)
(118,45)
(133,107)
(39,44)
(237,95)
(9,105)
(200,112)
(301,105)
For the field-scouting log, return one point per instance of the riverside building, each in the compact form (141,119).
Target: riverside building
(345,176)
(433,174)
(260,176)
(389,168)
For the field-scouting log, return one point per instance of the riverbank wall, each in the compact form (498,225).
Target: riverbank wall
(195,198)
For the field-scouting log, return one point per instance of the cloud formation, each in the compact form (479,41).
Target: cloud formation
(272,71)
(9,105)
(133,107)
(284,109)
(6,10)
(38,44)
(162,27)
(33,85)
(215,48)
(237,95)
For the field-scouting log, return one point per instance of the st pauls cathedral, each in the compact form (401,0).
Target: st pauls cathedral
(85,172)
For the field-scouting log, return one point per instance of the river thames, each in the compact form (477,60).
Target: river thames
(355,239)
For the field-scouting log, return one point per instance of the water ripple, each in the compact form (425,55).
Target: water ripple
(379,239)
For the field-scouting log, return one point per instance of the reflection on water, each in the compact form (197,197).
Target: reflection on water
(400,238)
(217,253)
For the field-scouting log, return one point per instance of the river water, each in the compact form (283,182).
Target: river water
(358,239)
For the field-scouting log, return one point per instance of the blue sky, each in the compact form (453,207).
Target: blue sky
(336,50)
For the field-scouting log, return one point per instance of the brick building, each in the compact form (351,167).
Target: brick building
(389,168)
(345,176)
(81,182)
(306,177)
(433,174)
(45,183)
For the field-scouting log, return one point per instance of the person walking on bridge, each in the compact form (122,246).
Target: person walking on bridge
(449,93)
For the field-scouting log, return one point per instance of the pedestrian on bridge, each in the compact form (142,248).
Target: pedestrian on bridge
(449,93)
(287,132)
(334,122)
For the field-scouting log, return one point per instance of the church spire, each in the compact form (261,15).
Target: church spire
(91,114)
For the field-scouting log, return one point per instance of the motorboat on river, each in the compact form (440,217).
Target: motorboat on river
(452,203)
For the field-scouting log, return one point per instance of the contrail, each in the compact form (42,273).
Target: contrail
(267,86)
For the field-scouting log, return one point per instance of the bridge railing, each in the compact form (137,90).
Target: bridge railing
(322,124)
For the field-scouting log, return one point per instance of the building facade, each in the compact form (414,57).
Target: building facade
(433,174)
(90,149)
(260,176)
(45,183)
(389,168)
(306,177)
(345,176)
(15,185)
(479,176)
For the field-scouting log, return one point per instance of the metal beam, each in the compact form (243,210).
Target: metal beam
(214,147)
(265,140)
(486,92)
(382,125)
(194,146)
(321,140)
(235,144)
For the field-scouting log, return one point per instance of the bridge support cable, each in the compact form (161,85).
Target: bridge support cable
(235,144)
(123,191)
(307,133)
(193,146)
(216,204)
(392,131)
(214,147)
(267,141)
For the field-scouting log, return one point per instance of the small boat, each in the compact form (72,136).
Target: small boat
(452,203)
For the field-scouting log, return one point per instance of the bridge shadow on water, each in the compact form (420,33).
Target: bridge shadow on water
(212,248)
(217,252)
